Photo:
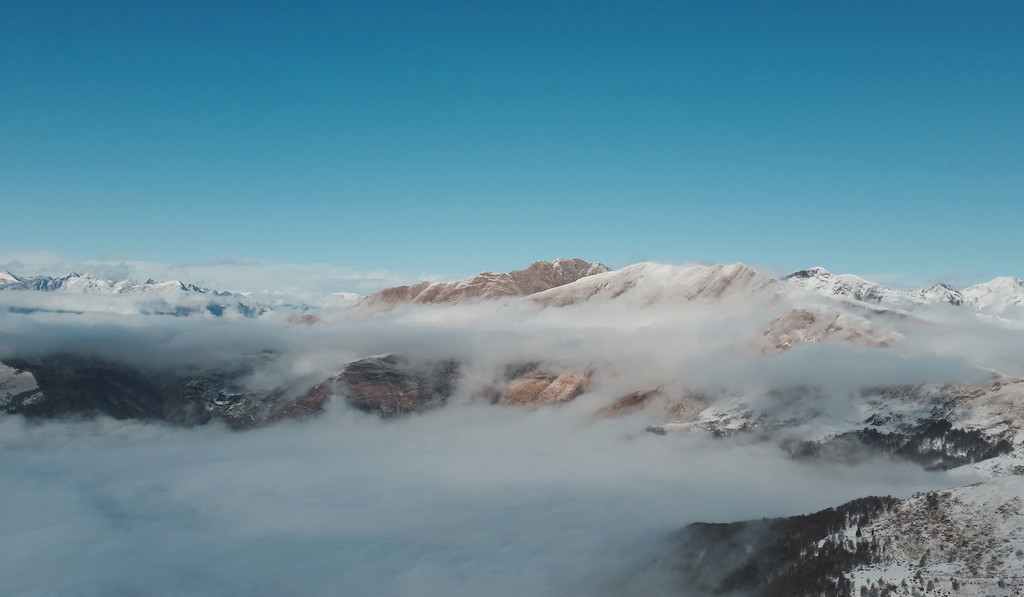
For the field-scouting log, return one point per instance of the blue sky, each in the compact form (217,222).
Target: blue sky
(885,139)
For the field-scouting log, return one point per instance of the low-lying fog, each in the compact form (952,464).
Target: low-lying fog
(465,500)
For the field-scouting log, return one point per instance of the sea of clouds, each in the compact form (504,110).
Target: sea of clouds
(469,499)
(466,500)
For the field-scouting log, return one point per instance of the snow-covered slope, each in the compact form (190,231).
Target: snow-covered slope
(968,540)
(822,281)
(1001,296)
(649,283)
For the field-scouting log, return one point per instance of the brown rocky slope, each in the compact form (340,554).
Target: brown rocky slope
(538,277)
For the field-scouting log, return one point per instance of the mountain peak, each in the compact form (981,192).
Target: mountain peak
(537,277)
(814,272)
(940,292)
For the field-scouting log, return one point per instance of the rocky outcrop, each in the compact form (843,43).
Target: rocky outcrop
(817,323)
(539,276)
(630,402)
(310,403)
(537,385)
(391,385)
(388,385)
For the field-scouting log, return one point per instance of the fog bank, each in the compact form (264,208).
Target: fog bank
(466,500)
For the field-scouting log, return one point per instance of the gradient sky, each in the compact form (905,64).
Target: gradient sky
(881,138)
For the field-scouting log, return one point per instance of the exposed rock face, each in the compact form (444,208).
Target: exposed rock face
(387,385)
(540,276)
(814,324)
(630,402)
(393,386)
(71,384)
(676,406)
(541,386)
(310,403)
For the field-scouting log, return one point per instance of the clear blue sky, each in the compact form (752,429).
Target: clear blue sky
(867,137)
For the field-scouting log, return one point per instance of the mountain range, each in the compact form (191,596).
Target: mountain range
(170,297)
(578,281)
(828,368)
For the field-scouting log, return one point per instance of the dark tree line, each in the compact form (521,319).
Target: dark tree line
(935,445)
(781,556)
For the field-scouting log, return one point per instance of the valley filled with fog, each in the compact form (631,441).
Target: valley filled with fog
(464,500)
(703,394)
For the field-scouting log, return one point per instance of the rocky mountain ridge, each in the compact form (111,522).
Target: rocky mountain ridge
(999,296)
(538,277)
(75,282)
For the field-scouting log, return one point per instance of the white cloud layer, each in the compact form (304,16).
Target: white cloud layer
(463,501)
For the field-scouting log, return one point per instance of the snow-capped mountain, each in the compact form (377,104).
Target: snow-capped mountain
(1003,296)
(172,297)
(569,282)
(940,293)
(89,284)
(822,281)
